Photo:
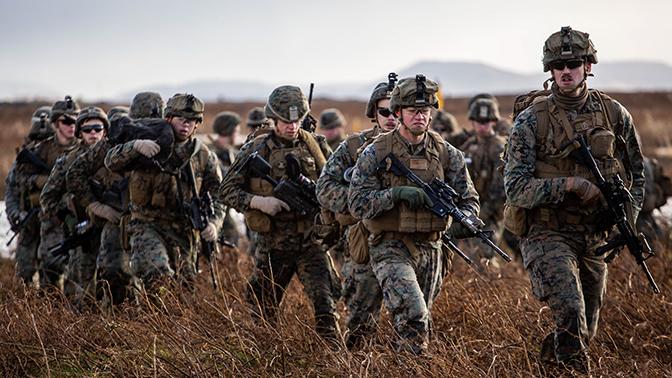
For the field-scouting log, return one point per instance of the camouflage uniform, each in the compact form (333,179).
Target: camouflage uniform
(284,245)
(405,253)
(163,243)
(658,189)
(559,243)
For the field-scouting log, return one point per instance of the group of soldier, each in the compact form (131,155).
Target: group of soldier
(373,239)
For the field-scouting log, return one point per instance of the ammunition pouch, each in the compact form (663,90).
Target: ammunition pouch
(515,220)
(358,243)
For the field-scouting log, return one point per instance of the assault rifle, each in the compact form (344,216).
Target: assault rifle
(18,226)
(200,212)
(82,233)
(28,157)
(443,199)
(618,198)
(114,196)
(298,191)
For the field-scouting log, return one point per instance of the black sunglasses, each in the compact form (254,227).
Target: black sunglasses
(67,121)
(89,128)
(571,64)
(385,112)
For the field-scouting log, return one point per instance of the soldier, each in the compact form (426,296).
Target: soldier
(257,122)
(117,111)
(226,126)
(361,292)
(405,244)
(483,156)
(18,206)
(87,179)
(163,243)
(31,177)
(658,189)
(447,126)
(91,126)
(284,246)
(332,126)
(552,200)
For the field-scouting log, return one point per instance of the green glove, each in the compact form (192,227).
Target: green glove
(415,197)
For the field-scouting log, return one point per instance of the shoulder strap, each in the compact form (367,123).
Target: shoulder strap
(440,145)
(313,148)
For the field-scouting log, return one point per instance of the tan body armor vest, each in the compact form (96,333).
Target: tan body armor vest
(483,158)
(401,218)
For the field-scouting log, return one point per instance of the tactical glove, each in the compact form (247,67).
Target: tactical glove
(101,210)
(584,189)
(415,197)
(146,147)
(209,234)
(268,205)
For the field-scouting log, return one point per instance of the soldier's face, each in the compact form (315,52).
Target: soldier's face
(484,128)
(65,128)
(289,131)
(389,122)
(333,134)
(569,79)
(92,131)
(416,119)
(183,127)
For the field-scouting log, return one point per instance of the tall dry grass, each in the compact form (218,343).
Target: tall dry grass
(489,326)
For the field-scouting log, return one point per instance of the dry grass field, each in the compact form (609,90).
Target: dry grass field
(484,325)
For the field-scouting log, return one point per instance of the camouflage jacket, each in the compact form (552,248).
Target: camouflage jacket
(12,196)
(47,151)
(658,185)
(163,195)
(53,199)
(225,156)
(483,158)
(524,189)
(368,197)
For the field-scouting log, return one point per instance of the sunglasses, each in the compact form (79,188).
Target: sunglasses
(67,121)
(571,64)
(385,112)
(89,128)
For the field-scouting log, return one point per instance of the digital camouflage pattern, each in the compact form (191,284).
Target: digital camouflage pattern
(226,156)
(410,280)
(146,105)
(658,189)
(568,44)
(287,103)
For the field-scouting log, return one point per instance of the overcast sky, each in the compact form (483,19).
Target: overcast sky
(103,48)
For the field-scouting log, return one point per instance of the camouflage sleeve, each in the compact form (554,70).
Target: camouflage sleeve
(634,151)
(367,198)
(457,176)
(119,156)
(324,146)
(27,176)
(82,169)
(331,189)
(231,191)
(212,179)
(12,195)
(521,187)
(494,206)
(51,198)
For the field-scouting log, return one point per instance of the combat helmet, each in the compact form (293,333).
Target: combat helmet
(39,124)
(483,110)
(256,117)
(414,92)
(225,123)
(444,122)
(568,44)
(117,111)
(88,113)
(287,103)
(185,105)
(381,91)
(146,105)
(67,107)
(331,118)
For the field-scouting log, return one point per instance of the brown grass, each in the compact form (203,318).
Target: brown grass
(483,327)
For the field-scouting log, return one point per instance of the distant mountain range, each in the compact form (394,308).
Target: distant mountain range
(456,78)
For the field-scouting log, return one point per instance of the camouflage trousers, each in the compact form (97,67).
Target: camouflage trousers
(114,270)
(52,268)
(566,274)
(277,259)
(363,299)
(410,281)
(161,251)
(26,251)
(229,232)
(80,273)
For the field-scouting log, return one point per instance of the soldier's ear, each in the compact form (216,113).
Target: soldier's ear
(589,67)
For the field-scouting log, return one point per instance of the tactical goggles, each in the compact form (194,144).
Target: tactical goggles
(561,64)
(67,121)
(385,112)
(89,128)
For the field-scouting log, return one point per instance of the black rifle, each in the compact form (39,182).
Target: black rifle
(18,226)
(309,121)
(443,199)
(114,196)
(453,247)
(82,234)
(28,157)
(618,198)
(298,191)
(200,212)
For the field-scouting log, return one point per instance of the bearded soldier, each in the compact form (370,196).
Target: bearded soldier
(22,215)
(361,291)
(332,126)
(90,127)
(284,246)
(162,240)
(405,242)
(32,177)
(552,199)
(104,194)
(482,154)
